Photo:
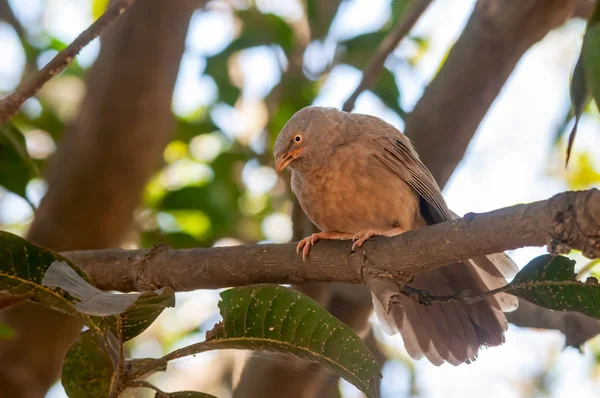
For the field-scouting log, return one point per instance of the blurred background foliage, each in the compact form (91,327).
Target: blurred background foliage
(248,66)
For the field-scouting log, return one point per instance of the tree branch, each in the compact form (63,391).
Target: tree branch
(569,220)
(415,9)
(495,38)
(10,104)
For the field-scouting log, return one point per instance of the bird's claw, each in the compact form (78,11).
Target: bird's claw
(305,245)
(361,237)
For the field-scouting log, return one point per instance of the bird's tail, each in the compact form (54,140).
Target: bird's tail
(453,331)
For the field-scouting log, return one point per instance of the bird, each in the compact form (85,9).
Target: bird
(356,176)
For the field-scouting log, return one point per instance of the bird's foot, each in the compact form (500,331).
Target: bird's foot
(306,243)
(362,236)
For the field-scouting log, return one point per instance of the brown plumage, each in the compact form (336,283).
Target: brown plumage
(356,176)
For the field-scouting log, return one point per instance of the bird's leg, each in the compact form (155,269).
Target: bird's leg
(306,243)
(362,236)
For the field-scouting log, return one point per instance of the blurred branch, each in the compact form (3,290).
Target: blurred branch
(576,327)
(495,38)
(10,104)
(8,16)
(569,220)
(414,11)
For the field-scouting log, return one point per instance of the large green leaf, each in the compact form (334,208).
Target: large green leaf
(280,319)
(22,269)
(31,272)
(550,282)
(88,371)
(16,166)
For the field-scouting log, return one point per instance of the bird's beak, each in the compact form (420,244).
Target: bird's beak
(282,161)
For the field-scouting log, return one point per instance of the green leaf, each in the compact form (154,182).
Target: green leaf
(551,282)
(280,319)
(144,312)
(184,394)
(15,163)
(590,52)
(387,90)
(23,268)
(266,29)
(136,311)
(88,371)
(398,8)
(6,332)
(586,76)
(359,49)
(580,96)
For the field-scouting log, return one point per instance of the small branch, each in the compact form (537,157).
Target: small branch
(576,327)
(569,220)
(414,11)
(10,104)
(466,296)
(144,384)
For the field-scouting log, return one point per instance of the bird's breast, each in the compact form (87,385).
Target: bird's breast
(354,196)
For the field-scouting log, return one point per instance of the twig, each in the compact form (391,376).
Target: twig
(10,104)
(415,9)
(144,384)
(466,296)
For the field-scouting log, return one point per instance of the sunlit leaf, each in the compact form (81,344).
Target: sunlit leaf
(98,7)
(15,163)
(551,282)
(88,370)
(582,173)
(280,319)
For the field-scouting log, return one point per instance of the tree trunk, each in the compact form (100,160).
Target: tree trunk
(97,176)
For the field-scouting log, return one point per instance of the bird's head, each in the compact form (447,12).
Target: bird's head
(306,138)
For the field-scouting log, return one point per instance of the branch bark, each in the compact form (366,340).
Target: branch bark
(10,104)
(569,220)
(97,176)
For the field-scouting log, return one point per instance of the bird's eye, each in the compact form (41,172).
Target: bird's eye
(297,138)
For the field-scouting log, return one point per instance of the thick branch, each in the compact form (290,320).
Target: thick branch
(415,9)
(10,104)
(568,220)
(496,36)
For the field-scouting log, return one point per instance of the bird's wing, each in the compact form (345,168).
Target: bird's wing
(397,153)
